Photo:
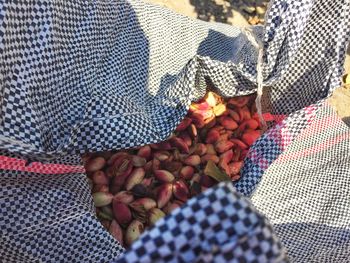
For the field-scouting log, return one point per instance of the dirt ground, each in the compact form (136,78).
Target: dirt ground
(241,13)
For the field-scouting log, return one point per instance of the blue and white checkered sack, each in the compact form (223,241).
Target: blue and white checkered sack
(80,76)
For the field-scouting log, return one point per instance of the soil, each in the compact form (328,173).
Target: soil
(242,13)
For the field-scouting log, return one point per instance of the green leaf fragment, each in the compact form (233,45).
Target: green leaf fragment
(214,172)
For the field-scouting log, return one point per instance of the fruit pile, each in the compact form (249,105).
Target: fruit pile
(134,188)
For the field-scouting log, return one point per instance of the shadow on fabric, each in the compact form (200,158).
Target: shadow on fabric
(312,242)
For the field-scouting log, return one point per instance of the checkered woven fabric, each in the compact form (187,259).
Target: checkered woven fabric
(273,143)
(217,226)
(305,46)
(50,218)
(305,192)
(81,76)
(99,76)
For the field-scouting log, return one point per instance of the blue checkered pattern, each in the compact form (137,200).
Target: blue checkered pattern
(212,227)
(81,76)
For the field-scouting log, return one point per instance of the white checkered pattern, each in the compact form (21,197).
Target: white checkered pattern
(217,226)
(81,76)
(51,218)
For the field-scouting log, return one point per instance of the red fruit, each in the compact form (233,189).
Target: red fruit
(171,166)
(224,137)
(184,124)
(116,231)
(148,167)
(234,115)
(198,120)
(226,156)
(180,203)
(223,146)
(229,133)
(267,117)
(221,129)
(207,157)
(122,164)
(206,114)
(212,136)
(239,101)
(225,113)
(135,177)
(164,195)
(121,175)
(235,167)
(236,155)
(100,188)
(210,123)
(118,182)
(239,143)
(228,123)
(250,137)
(161,155)
(225,167)
(244,113)
(177,155)
(145,152)
(99,177)
(121,213)
(186,138)
(186,172)
(249,124)
(179,144)
(155,164)
(164,176)
(161,146)
(143,204)
(193,160)
(95,164)
(125,197)
(115,156)
(147,181)
(180,190)
(109,171)
(200,149)
(138,161)
(209,120)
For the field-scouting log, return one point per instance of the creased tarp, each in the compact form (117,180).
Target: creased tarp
(86,76)
(82,76)
(305,192)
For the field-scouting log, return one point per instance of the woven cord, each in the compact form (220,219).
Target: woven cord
(259,78)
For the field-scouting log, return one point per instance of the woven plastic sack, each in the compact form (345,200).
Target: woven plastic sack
(81,76)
